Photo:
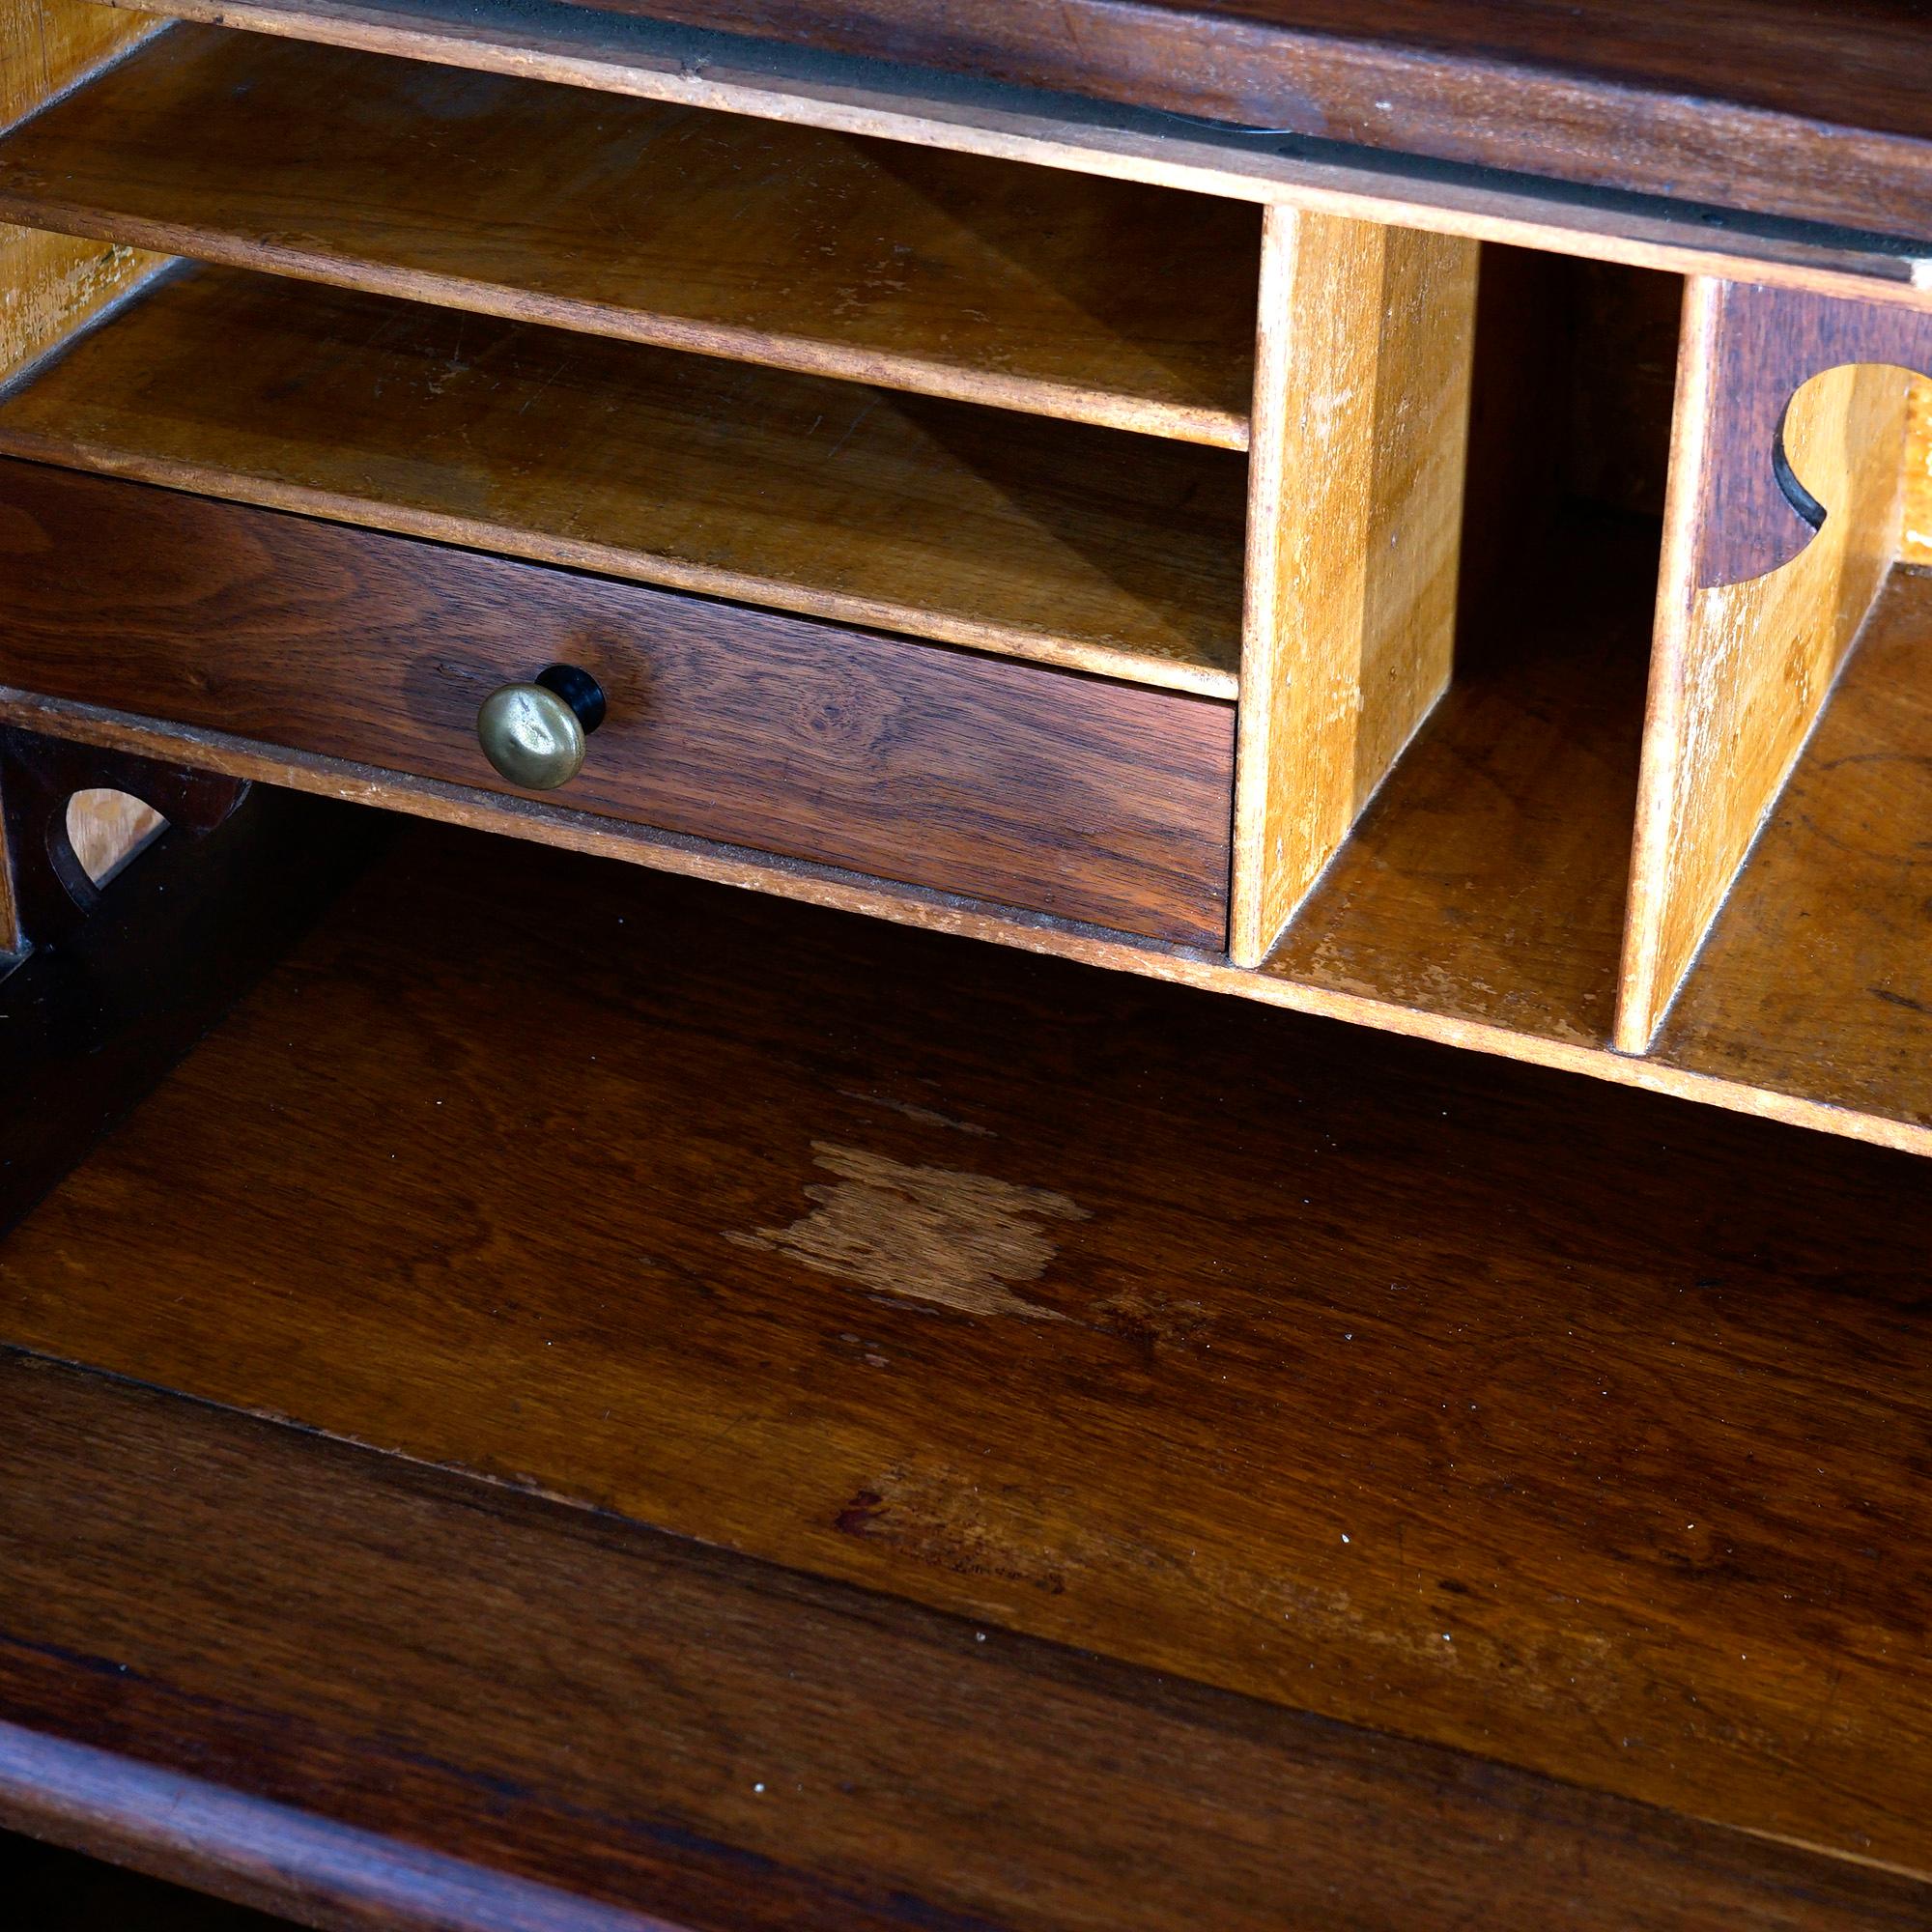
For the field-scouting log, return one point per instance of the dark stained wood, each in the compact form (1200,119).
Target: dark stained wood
(1766,344)
(1818,970)
(48,1889)
(1582,1430)
(1115,552)
(1778,107)
(1031,288)
(91,1022)
(1486,881)
(600,1722)
(52,891)
(1006,781)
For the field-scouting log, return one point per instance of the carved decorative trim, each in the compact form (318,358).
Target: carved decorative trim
(52,893)
(1754,515)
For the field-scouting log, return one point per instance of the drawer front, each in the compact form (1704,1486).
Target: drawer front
(990,778)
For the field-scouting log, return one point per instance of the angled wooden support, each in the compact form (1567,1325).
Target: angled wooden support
(1754,513)
(1360,424)
(1781,526)
(51,891)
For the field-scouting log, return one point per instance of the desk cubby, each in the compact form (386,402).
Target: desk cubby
(1426,736)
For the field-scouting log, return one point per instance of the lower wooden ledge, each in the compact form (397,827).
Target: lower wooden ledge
(1558,1429)
(1274,983)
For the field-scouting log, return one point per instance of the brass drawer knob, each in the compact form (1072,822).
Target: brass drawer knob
(534,734)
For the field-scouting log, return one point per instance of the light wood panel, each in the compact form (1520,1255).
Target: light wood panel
(1486,879)
(656,61)
(50,283)
(1817,976)
(1354,527)
(1054,541)
(1321,1369)
(1741,671)
(1033,289)
(1914,544)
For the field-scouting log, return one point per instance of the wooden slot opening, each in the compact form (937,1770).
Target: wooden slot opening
(1063,293)
(1486,879)
(1092,548)
(1816,977)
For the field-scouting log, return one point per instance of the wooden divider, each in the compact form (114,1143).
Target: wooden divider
(1360,422)
(55,283)
(1742,670)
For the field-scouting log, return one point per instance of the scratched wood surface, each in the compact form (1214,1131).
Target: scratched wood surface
(1366,341)
(1056,541)
(498,1712)
(1330,1371)
(1741,671)
(1818,972)
(1028,288)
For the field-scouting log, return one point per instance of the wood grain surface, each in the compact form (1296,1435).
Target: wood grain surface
(1741,671)
(1819,114)
(1818,970)
(494,1713)
(55,282)
(1915,541)
(859,94)
(1116,553)
(1009,781)
(1355,531)
(1065,294)
(1486,879)
(1336,1372)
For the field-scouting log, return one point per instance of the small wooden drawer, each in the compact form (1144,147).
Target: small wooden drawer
(1002,781)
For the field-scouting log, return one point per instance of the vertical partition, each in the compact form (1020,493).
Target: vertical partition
(1355,521)
(1763,448)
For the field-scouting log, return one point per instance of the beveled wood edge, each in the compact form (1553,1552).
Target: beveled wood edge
(1066,402)
(917,906)
(1123,667)
(1017,124)
(254,1852)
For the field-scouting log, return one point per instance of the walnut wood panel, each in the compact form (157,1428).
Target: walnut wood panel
(1741,671)
(1056,541)
(1818,972)
(1355,525)
(652,59)
(1486,879)
(1065,294)
(499,1713)
(1822,114)
(1009,781)
(1332,1371)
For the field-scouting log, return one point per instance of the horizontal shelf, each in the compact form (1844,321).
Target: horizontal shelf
(1486,881)
(1033,289)
(1816,977)
(1370,1393)
(1085,547)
